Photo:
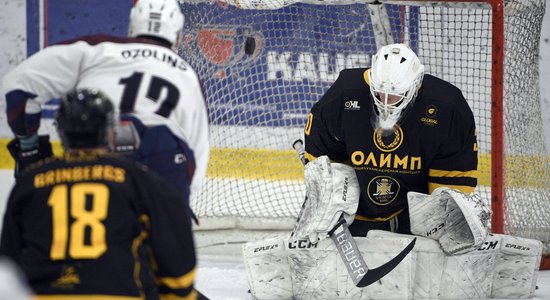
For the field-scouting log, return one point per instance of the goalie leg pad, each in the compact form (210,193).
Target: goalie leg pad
(299,269)
(267,269)
(517,266)
(503,267)
(434,275)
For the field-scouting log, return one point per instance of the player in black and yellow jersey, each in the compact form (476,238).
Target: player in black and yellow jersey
(93,225)
(400,129)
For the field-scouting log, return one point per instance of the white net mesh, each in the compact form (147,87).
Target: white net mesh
(264,64)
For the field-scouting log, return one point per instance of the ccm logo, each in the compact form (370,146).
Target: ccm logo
(301,244)
(488,246)
(435,229)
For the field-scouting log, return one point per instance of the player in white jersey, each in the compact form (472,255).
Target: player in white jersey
(146,79)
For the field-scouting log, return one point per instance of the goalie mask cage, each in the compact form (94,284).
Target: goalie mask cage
(264,63)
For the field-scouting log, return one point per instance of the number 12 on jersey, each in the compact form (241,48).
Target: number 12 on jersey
(154,91)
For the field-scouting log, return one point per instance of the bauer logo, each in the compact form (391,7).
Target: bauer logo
(352,105)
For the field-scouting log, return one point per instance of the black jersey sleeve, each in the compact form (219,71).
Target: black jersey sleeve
(323,129)
(11,242)
(455,165)
(170,236)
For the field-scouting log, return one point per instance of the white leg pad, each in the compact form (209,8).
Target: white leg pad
(319,273)
(517,266)
(268,271)
(503,267)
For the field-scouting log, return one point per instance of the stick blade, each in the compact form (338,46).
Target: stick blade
(376,274)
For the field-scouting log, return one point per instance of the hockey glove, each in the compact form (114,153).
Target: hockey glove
(30,153)
(332,189)
(127,138)
(458,221)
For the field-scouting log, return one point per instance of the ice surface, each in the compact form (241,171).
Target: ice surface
(221,273)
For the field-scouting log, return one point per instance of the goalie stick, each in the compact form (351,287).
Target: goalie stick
(358,270)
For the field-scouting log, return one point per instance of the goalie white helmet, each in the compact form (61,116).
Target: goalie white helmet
(395,77)
(158,18)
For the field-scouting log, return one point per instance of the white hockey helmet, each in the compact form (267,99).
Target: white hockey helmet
(158,18)
(395,77)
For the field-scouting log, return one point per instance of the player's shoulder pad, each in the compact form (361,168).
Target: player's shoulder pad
(96,39)
(444,95)
(353,79)
(40,166)
(125,162)
(437,88)
(348,79)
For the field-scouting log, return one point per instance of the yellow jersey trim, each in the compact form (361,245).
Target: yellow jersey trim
(445,173)
(181,282)
(378,219)
(191,296)
(366,76)
(135,248)
(309,157)
(463,188)
(84,297)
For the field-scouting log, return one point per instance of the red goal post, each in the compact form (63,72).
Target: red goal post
(265,62)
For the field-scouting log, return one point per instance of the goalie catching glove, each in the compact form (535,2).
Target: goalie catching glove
(332,190)
(458,221)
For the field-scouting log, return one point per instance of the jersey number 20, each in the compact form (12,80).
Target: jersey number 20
(73,235)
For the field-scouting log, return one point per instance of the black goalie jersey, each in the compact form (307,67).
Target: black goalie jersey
(433,144)
(99,227)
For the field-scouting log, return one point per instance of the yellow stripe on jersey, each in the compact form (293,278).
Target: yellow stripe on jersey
(191,296)
(83,297)
(136,244)
(463,188)
(181,282)
(309,157)
(445,173)
(378,219)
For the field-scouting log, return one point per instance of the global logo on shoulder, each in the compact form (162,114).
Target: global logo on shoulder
(431,113)
(352,105)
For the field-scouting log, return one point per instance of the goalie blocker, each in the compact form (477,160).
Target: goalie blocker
(502,267)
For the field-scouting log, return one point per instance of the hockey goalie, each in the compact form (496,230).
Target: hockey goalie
(454,256)
(391,170)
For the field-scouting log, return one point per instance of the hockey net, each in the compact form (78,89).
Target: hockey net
(264,63)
